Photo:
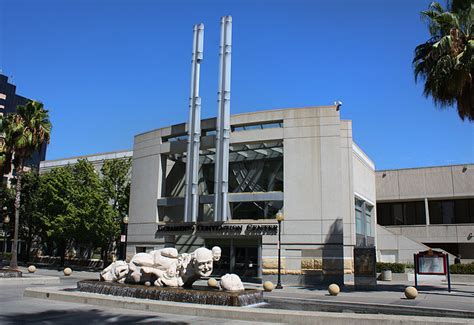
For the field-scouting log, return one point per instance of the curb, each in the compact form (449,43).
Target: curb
(235,313)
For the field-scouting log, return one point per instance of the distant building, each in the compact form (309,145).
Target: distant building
(419,208)
(97,160)
(9,101)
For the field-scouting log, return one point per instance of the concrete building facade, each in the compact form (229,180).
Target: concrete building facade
(425,207)
(302,161)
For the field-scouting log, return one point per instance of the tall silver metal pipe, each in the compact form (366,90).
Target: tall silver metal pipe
(191,205)
(223,123)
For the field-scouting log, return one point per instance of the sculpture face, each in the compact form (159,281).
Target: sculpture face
(216,253)
(203,261)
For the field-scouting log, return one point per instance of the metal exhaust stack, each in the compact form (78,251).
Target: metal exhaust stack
(194,129)
(223,123)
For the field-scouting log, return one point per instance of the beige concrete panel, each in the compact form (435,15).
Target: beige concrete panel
(145,152)
(299,227)
(438,181)
(311,121)
(364,179)
(148,135)
(331,182)
(387,185)
(256,135)
(257,117)
(303,238)
(411,183)
(463,180)
(147,143)
(465,233)
(302,166)
(332,130)
(316,111)
(144,189)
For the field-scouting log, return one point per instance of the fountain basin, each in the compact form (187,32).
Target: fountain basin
(196,295)
(8,273)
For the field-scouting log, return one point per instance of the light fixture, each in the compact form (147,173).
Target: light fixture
(125,220)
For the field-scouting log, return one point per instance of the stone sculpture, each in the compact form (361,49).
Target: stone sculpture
(164,267)
(231,282)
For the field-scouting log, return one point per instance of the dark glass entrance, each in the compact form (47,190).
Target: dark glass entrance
(239,256)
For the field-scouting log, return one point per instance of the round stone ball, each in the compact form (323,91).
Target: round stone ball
(212,283)
(411,292)
(268,286)
(334,289)
(67,271)
(32,269)
(148,283)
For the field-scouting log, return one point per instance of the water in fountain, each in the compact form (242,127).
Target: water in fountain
(197,295)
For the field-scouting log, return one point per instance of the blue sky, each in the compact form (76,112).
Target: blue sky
(108,70)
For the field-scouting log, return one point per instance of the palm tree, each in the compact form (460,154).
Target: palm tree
(24,132)
(445,62)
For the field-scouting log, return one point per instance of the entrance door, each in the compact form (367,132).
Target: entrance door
(239,256)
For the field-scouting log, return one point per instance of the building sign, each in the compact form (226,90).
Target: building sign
(364,262)
(431,262)
(216,228)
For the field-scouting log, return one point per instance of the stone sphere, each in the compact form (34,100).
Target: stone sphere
(411,292)
(67,271)
(268,286)
(32,269)
(212,283)
(148,283)
(334,289)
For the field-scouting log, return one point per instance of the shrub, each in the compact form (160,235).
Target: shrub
(394,267)
(462,268)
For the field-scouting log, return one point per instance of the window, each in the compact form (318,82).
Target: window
(363,216)
(451,211)
(401,213)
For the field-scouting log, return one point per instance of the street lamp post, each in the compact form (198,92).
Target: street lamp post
(279,218)
(123,239)
(6,221)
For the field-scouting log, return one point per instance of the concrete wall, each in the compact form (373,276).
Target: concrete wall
(430,182)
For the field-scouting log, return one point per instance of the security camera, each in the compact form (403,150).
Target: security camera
(338,105)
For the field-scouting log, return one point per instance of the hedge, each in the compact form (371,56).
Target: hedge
(394,267)
(462,268)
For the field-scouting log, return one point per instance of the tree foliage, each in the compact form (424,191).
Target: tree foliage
(24,132)
(76,208)
(445,62)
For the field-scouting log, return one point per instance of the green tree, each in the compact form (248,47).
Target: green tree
(57,211)
(116,186)
(31,226)
(445,62)
(76,211)
(24,132)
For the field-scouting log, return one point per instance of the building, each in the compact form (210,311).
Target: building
(97,160)
(429,207)
(9,101)
(300,160)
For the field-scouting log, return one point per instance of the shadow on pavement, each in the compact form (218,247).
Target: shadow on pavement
(92,316)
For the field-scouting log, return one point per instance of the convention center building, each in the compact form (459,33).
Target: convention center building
(302,162)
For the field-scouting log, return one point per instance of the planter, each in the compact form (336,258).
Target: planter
(387,275)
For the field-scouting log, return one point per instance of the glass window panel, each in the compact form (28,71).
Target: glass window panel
(448,211)
(384,217)
(461,210)
(436,214)
(471,210)
(397,213)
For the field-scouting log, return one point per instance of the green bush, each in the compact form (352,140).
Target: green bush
(462,268)
(394,267)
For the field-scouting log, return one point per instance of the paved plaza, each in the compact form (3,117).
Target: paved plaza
(16,309)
